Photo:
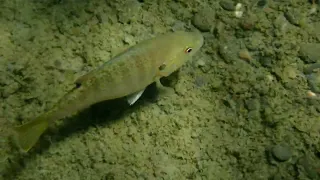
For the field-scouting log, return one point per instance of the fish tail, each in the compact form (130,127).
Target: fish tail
(28,134)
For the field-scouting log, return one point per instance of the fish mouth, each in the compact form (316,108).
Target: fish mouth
(199,39)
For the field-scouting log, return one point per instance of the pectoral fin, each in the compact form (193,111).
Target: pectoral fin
(132,98)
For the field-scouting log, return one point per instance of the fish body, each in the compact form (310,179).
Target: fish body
(128,73)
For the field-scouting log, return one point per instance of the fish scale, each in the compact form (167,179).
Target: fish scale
(127,74)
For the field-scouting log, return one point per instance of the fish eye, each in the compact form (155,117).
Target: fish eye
(162,67)
(188,50)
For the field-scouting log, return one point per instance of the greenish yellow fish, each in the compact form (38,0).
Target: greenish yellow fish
(125,75)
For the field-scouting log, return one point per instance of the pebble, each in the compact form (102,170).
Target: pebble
(229,50)
(312,68)
(178,26)
(290,72)
(294,17)
(262,3)
(249,22)
(245,55)
(201,63)
(309,52)
(281,25)
(131,131)
(227,5)
(312,72)
(216,84)
(204,20)
(129,39)
(314,82)
(252,104)
(57,63)
(281,152)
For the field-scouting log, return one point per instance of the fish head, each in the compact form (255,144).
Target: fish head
(180,48)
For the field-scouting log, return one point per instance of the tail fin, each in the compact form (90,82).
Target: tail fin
(28,134)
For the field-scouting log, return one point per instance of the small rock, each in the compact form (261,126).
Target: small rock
(252,104)
(129,39)
(294,17)
(309,52)
(178,26)
(312,73)
(245,55)
(194,135)
(262,3)
(227,5)
(229,50)
(290,72)
(249,22)
(312,68)
(255,42)
(314,82)
(131,131)
(281,24)
(204,20)
(281,152)
(216,84)
(201,63)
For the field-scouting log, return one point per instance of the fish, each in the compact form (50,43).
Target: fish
(125,75)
